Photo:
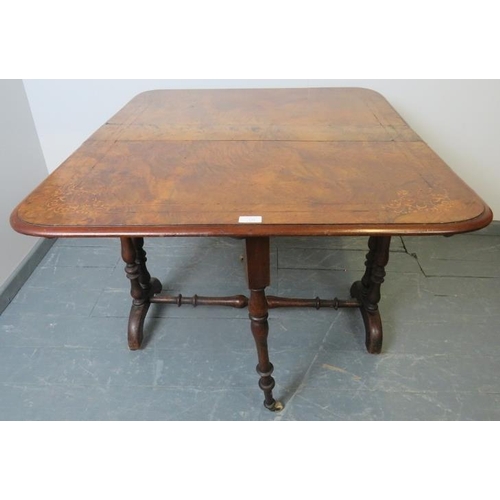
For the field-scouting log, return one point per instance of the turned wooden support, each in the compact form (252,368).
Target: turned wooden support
(237,301)
(134,271)
(378,262)
(274,302)
(142,287)
(258,276)
(367,291)
(370,256)
(140,260)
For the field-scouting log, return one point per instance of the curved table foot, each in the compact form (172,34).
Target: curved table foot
(371,319)
(276,406)
(138,315)
(136,325)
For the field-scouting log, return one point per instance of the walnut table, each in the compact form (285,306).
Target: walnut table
(253,164)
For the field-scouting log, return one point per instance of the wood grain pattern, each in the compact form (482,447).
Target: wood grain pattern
(308,161)
(259,277)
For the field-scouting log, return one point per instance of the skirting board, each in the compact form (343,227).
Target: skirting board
(17,279)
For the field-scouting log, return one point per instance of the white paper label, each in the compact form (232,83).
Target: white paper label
(250,219)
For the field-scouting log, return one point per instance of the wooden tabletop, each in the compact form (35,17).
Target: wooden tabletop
(260,162)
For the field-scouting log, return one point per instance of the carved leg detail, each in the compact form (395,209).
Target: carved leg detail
(140,260)
(135,333)
(258,275)
(367,291)
(142,287)
(372,245)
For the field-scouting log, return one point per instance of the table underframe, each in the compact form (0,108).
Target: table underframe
(365,295)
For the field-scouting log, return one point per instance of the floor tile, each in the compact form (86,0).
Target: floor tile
(202,334)
(339,242)
(89,242)
(339,260)
(452,336)
(315,404)
(492,230)
(62,331)
(415,305)
(460,255)
(309,283)
(90,278)
(113,403)
(52,302)
(64,353)
(235,369)
(461,287)
(79,256)
(76,366)
(352,371)
(473,373)
(462,247)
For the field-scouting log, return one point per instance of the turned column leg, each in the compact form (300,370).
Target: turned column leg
(142,287)
(258,275)
(372,247)
(367,291)
(140,260)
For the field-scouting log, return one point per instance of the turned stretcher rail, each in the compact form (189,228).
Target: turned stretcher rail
(238,301)
(274,302)
(241,301)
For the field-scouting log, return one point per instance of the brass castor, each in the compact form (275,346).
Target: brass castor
(274,406)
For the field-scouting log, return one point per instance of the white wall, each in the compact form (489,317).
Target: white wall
(22,167)
(459,119)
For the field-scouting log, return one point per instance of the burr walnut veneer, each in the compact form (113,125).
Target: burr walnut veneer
(253,164)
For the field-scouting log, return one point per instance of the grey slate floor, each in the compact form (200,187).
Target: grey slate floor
(63,352)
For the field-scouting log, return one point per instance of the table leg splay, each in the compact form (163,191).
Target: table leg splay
(259,277)
(367,291)
(142,288)
(365,296)
(154,150)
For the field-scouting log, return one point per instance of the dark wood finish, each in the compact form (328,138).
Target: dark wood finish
(142,288)
(306,160)
(258,274)
(237,301)
(309,162)
(274,302)
(240,301)
(367,291)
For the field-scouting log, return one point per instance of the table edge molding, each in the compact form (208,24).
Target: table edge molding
(249,230)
